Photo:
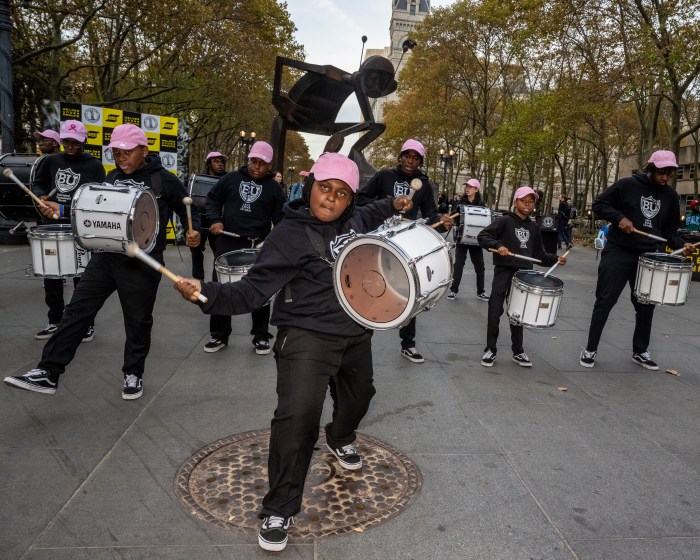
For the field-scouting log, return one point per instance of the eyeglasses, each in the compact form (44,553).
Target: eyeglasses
(669,171)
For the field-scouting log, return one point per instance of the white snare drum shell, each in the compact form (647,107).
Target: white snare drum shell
(533,300)
(472,220)
(54,252)
(234,265)
(662,279)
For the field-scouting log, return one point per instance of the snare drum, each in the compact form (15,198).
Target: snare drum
(108,217)
(534,299)
(232,266)
(198,188)
(55,253)
(662,279)
(472,219)
(385,278)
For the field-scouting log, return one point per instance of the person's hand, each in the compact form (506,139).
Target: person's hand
(402,203)
(561,260)
(43,197)
(216,228)
(188,287)
(626,225)
(447,221)
(503,251)
(49,210)
(192,238)
(688,249)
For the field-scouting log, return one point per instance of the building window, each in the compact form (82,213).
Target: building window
(679,173)
(413,8)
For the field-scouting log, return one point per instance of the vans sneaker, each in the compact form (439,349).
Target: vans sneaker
(133,387)
(262,346)
(347,456)
(214,345)
(89,334)
(273,532)
(644,360)
(413,355)
(488,358)
(47,332)
(587,358)
(452,296)
(37,380)
(483,295)
(522,360)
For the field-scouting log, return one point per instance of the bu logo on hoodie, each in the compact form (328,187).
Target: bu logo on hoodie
(523,235)
(249,192)
(650,208)
(66,180)
(401,189)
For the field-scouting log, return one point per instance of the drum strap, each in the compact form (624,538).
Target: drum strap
(156,183)
(317,242)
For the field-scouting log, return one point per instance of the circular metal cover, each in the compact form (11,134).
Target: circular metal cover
(224,483)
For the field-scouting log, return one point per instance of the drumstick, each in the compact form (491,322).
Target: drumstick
(187,201)
(438,224)
(16,227)
(679,251)
(230,234)
(53,192)
(416,185)
(531,259)
(556,264)
(635,230)
(8,173)
(133,250)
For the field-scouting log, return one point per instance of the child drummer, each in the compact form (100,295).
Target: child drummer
(513,233)
(317,341)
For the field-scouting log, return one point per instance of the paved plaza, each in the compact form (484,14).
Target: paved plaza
(554,462)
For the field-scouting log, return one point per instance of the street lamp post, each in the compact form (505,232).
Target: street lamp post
(291,169)
(446,158)
(247,141)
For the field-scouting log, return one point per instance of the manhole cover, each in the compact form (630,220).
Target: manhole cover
(224,483)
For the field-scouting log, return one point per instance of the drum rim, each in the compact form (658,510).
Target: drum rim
(539,289)
(64,230)
(678,263)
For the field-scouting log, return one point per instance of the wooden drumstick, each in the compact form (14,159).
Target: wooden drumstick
(651,236)
(531,259)
(133,250)
(679,251)
(438,224)
(53,192)
(556,264)
(9,174)
(14,229)
(187,201)
(416,185)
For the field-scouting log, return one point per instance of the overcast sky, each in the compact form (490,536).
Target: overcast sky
(331,32)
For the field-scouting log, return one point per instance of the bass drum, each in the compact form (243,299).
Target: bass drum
(15,204)
(198,188)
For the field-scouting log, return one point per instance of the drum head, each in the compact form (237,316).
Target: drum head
(374,283)
(664,258)
(237,261)
(145,224)
(52,229)
(537,278)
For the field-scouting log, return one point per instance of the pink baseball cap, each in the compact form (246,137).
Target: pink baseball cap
(473,183)
(522,192)
(212,155)
(48,133)
(261,150)
(74,130)
(304,173)
(663,158)
(414,145)
(337,166)
(127,137)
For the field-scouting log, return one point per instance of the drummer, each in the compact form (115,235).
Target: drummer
(106,273)
(470,197)
(318,343)
(515,232)
(48,141)
(65,172)
(647,203)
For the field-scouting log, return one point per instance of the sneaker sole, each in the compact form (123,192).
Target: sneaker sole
(348,466)
(414,360)
(263,352)
(646,366)
(87,339)
(586,365)
(272,547)
(522,364)
(211,350)
(487,364)
(17,384)
(132,397)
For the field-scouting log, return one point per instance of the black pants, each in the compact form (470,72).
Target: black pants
(198,251)
(408,334)
(476,254)
(306,363)
(563,233)
(53,296)
(220,325)
(500,288)
(618,267)
(136,285)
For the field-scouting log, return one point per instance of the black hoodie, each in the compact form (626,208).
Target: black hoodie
(169,198)
(289,264)
(650,207)
(521,237)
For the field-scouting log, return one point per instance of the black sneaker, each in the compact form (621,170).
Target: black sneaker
(587,358)
(488,358)
(522,360)
(273,532)
(483,295)
(452,296)
(412,355)
(644,360)
(347,456)
(47,332)
(133,387)
(89,334)
(37,380)
(214,345)
(262,346)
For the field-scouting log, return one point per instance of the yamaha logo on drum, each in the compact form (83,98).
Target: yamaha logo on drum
(102,224)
